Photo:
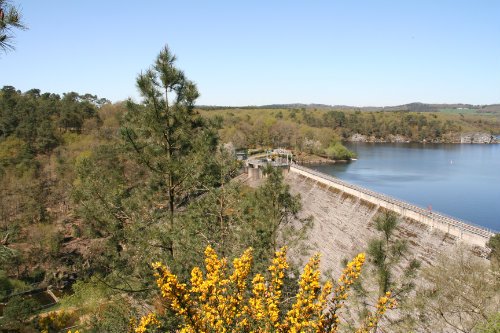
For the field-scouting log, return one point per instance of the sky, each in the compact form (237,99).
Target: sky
(342,52)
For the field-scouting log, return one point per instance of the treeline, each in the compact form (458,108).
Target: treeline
(292,127)
(39,119)
(412,107)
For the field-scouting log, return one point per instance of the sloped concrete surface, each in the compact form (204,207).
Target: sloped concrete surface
(343,226)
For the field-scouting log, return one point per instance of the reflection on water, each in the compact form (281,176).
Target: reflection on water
(461,180)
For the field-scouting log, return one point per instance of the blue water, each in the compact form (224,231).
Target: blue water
(459,180)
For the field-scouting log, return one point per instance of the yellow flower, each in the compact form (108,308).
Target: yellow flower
(150,319)
(219,301)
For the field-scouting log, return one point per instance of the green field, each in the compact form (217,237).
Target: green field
(459,111)
(469,112)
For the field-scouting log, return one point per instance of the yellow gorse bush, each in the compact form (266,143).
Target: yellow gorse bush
(55,321)
(219,301)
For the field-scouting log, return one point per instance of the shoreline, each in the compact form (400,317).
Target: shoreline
(453,138)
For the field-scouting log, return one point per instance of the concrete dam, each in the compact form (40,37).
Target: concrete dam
(343,220)
(472,235)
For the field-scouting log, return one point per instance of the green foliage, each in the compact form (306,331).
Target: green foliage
(55,321)
(9,286)
(10,151)
(10,260)
(386,252)
(252,127)
(459,111)
(165,135)
(22,188)
(47,139)
(310,130)
(337,151)
(112,317)
(494,256)
(10,19)
(87,295)
(18,310)
(105,310)
(379,250)
(45,240)
(141,199)
(117,209)
(492,325)
(273,220)
(276,202)
(99,177)
(256,151)
(167,186)
(4,282)
(392,268)
(217,215)
(16,157)
(38,119)
(37,157)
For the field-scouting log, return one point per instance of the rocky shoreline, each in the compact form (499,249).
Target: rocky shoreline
(315,159)
(475,138)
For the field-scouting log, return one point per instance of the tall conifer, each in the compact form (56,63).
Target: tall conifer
(164,132)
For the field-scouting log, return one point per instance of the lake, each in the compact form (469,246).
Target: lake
(459,180)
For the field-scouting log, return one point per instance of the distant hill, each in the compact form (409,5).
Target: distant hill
(493,108)
(414,107)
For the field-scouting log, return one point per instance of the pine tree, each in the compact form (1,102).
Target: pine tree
(216,218)
(392,269)
(10,19)
(165,132)
(277,203)
(386,252)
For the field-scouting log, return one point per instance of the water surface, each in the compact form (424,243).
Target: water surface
(460,180)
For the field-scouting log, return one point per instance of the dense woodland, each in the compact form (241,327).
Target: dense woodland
(91,193)
(295,128)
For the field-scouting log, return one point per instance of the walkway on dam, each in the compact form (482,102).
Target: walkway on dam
(438,217)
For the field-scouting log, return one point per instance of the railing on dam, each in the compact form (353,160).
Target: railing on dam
(439,217)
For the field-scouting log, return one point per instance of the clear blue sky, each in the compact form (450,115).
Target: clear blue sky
(264,52)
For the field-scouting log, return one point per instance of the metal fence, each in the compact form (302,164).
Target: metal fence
(438,216)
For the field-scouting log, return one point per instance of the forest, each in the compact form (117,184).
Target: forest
(92,193)
(293,128)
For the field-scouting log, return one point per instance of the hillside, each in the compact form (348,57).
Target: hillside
(492,109)
(309,129)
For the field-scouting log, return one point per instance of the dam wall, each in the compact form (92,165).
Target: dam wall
(471,235)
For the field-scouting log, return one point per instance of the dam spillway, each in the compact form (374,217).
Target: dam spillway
(470,234)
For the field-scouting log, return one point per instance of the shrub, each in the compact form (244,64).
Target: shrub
(18,310)
(337,151)
(218,301)
(55,321)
